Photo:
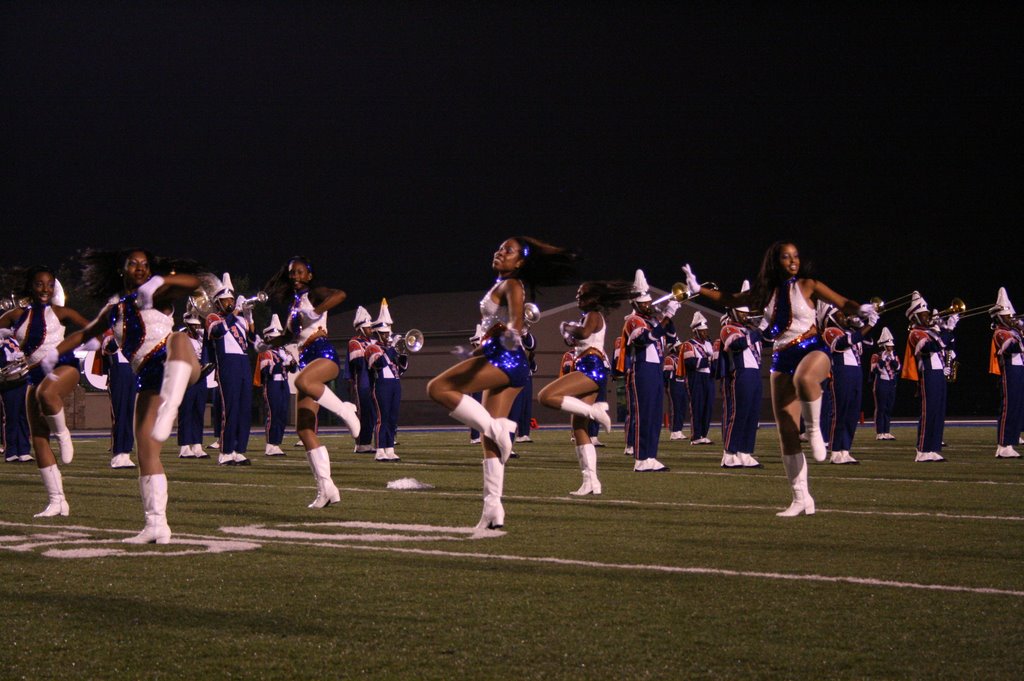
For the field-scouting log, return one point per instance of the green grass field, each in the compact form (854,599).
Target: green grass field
(906,571)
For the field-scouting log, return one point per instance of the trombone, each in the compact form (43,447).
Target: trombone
(956,306)
(680,293)
(885,305)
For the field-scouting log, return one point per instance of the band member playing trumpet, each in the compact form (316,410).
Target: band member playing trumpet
(17,446)
(386,365)
(845,337)
(1008,348)
(885,368)
(360,380)
(644,338)
(800,360)
(576,391)
(232,333)
(38,329)
(930,343)
(500,366)
(741,387)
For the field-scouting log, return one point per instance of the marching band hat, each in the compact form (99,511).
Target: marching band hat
(885,338)
(823,312)
(383,322)
(917,304)
(362,318)
(193,319)
(745,286)
(699,321)
(58,298)
(1003,305)
(641,287)
(275,328)
(226,290)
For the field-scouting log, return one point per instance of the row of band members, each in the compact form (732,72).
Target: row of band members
(805,338)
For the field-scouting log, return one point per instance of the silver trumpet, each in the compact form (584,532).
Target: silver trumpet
(249,303)
(531,313)
(410,341)
(10,303)
(14,374)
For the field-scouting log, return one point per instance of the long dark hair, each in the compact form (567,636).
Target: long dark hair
(279,286)
(103,273)
(544,264)
(772,274)
(20,279)
(602,296)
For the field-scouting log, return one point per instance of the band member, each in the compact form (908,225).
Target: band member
(930,346)
(621,363)
(38,329)
(318,363)
(501,367)
(845,337)
(164,362)
(192,410)
(386,365)
(741,387)
(644,337)
(360,377)
(474,342)
(274,365)
(885,368)
(121,390)
(674,373)
(232,334)
(576,391)
(17,446)
(697,355)
(1007,348)
(800,359)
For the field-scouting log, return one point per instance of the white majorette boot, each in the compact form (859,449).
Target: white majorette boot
(172,390)
(54,484)
(493,515)
(326,491)
(153,489)
(473,414)
(346,411)
(811,411)
(796,471)
(598,411)
(59,429)
(587,455)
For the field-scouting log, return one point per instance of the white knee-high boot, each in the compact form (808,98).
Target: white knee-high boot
(811,411)
(59,429)
(474,415)
(172,390)
(346,411)
(493,515)
(326,491)
(153,489)
(796,471)
(587,455)
(54,484)
(597,411)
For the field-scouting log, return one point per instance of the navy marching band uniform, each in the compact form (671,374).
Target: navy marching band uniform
(17,446)
(929,345)
(192,410)
(742,391)
(697,354)
(885,368)
(360,373)
(846,346)
(121,390)
(1007,346)
(386,366)
(678,395)
(273,366)
(232,336)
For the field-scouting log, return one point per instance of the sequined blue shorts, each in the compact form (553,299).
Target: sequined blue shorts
(513,362)
(320,348)
(68,359)
(786,361)
(593,367)
(151,373)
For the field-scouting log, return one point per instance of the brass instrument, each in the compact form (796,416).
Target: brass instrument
(681,293)
(14,374)
(531,313)
(202,301)
(410,341)
(886,305)
(950,365)
(10,303)
(249,303)
(956,306)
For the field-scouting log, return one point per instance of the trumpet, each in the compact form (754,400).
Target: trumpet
(14,374)
(249,303)
(531,313)
(885,305)
(10,303)
(680,293)
(410,341)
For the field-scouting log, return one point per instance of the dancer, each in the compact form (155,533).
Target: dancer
(38,329)
(500,366)
(800,359)
(576,391)
(318,363)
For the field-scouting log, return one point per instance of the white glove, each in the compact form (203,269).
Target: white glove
(868,313)
(49,361)
(91,345)
(144,296)
(261,345)
(6,333)
(691,280)
(763,326)
(510,340)
(309,317)
(951,321)
(670,309)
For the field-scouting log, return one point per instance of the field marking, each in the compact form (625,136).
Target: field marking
(425,532)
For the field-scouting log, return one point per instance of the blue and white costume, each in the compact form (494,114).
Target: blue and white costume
(494,318)
(121,389)
(846,346)
(791,325)
(929,347)
(885,369)
(698,355)
(232,339)
(192,410)
(37,332)
(141,336)
(360,381)
(17,446)
(678,393)
(1008,348)
(742,391)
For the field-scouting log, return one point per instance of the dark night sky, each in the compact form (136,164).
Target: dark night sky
(398,143)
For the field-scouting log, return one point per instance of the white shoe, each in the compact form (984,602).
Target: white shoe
(748,461)
(594,441)
(1007,452)
(676,435)
(730,461)
(651,465)
(796,473)
(25,457)
(198,452)
(241,460)
(803,437)
(390,453)
(213,445)
(298,445)
(474,441)
(123,461)
(881,436)
(701,441)
(379,455)
(186,452)
(628,451)
(365,449)
(273,450)
(842,457)
(226,459)
(927,457)
(524,438)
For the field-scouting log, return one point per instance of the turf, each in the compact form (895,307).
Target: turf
(906,571)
